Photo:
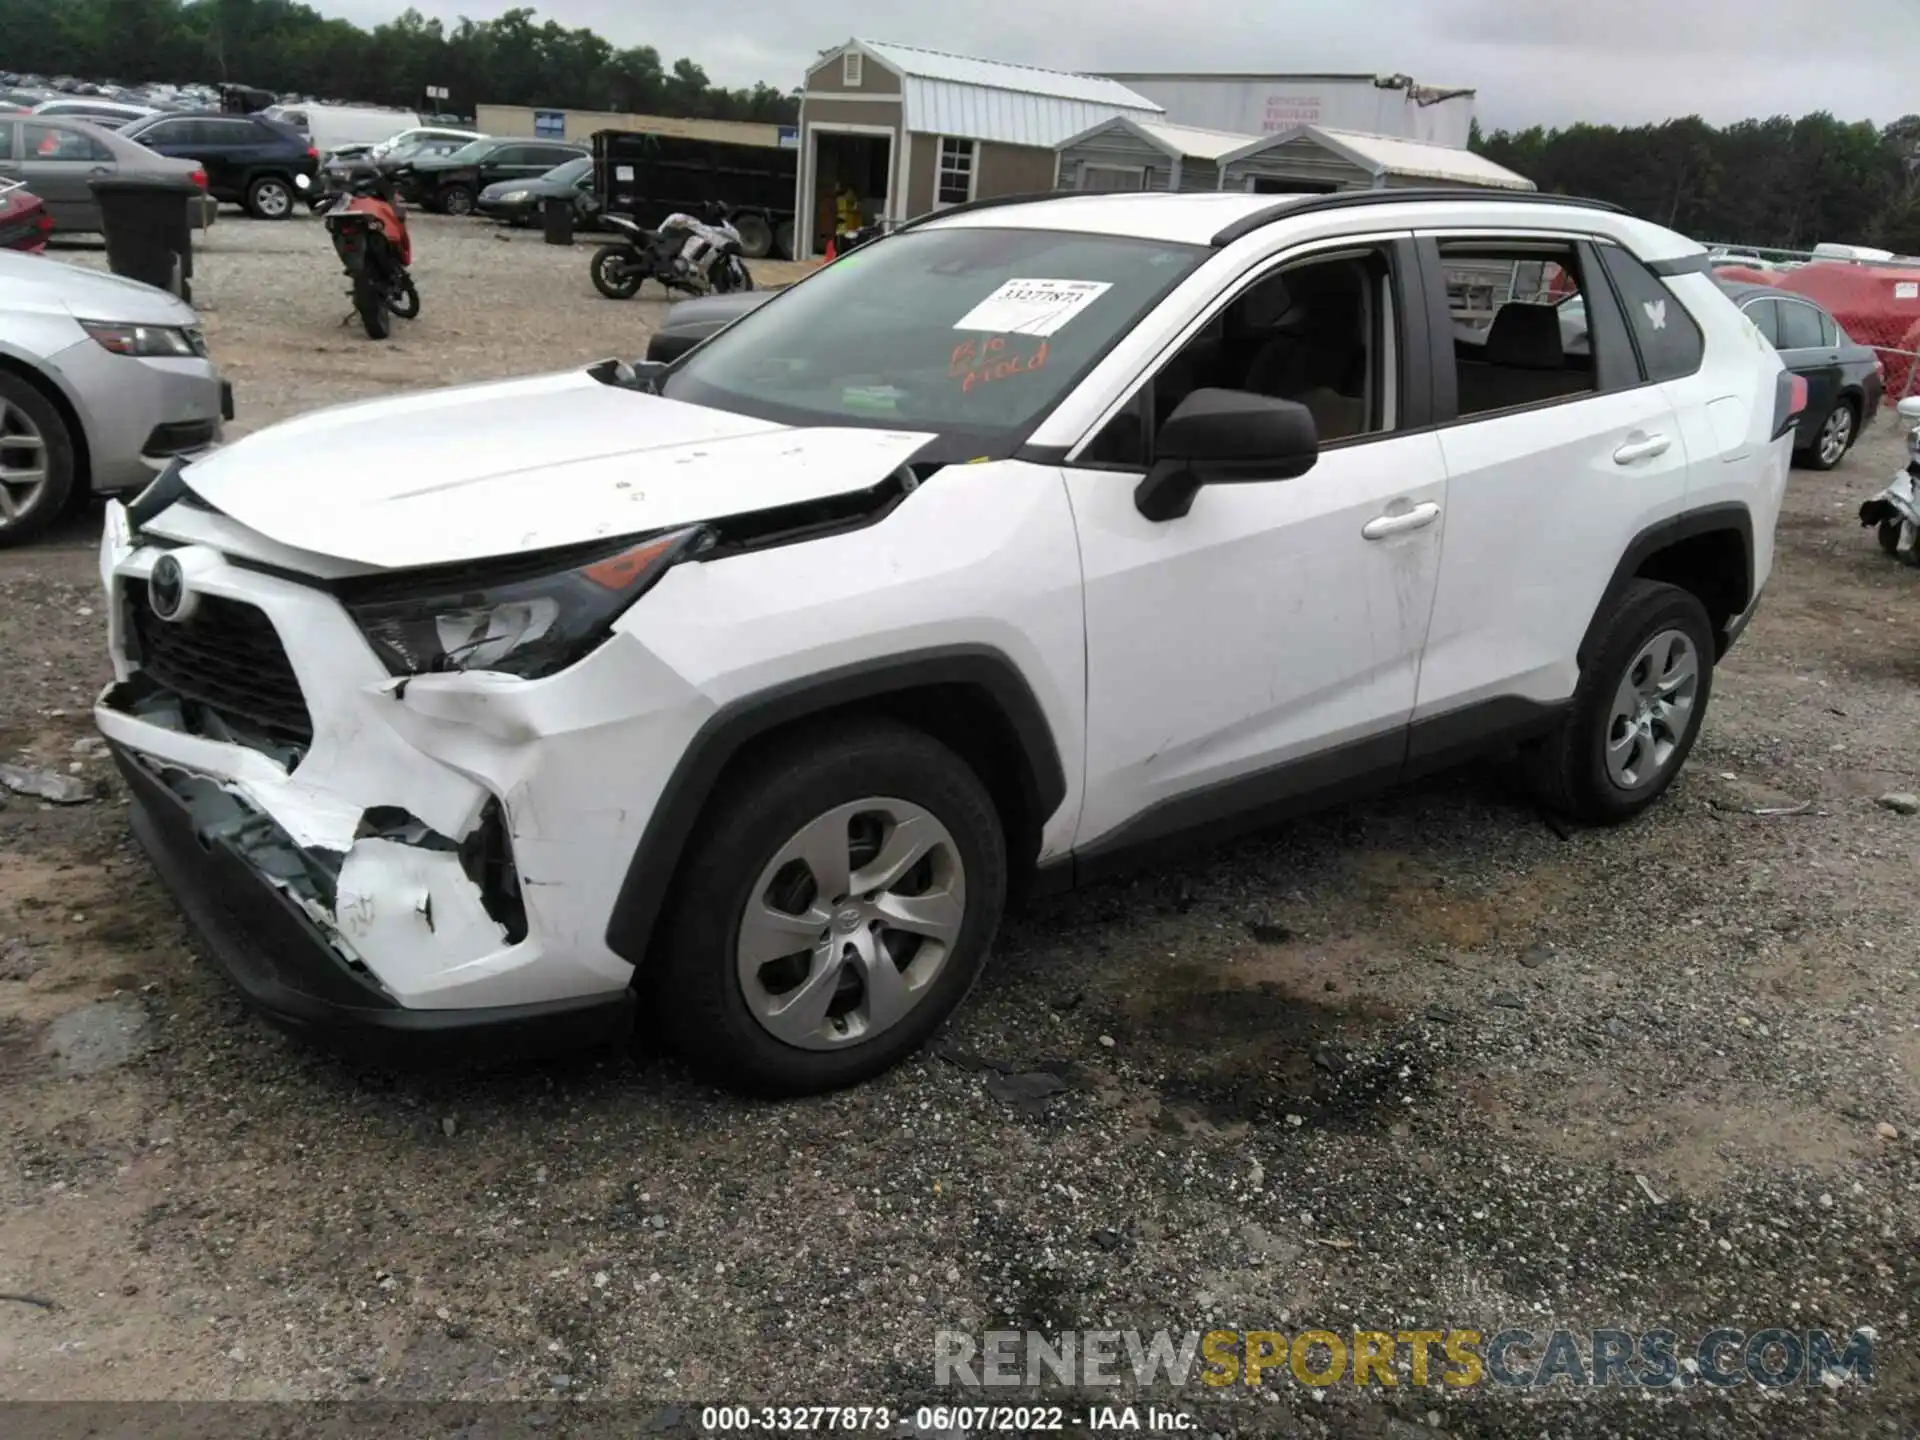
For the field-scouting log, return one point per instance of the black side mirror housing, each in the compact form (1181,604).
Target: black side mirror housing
(1224,437)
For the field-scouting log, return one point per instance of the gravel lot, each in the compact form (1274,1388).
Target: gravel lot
(1419,1063)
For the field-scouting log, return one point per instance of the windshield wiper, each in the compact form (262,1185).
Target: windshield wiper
(645,376)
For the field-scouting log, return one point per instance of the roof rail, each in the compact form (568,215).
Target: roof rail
(1358,199)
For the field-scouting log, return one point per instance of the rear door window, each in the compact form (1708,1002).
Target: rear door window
(1799,326)
(1765,315)
(58,142)
(1668,340)
(1829,330)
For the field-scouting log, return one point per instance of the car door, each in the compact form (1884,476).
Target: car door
(1262,650)
(1804,349)
(1556,460)
(59,161)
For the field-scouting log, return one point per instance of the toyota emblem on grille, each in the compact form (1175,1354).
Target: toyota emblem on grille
(167,588)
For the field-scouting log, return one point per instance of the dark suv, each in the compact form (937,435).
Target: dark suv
(249,160)
(452,183)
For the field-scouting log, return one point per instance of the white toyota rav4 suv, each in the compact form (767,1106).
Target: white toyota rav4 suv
(737,694)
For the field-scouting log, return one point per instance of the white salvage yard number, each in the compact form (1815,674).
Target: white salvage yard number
(1032,307)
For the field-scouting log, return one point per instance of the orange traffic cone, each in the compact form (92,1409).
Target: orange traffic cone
(830,256)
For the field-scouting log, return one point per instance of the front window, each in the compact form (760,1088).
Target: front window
(473,152)
(956,172)
(574,172)
(971,332)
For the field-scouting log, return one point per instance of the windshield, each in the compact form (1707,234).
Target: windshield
(570,173)
(969,332)
(471,151)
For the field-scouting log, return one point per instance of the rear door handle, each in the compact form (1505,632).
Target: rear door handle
(1418,518)
(1642,447)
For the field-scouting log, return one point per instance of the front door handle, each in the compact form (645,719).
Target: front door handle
(1641,447)
(1418,518)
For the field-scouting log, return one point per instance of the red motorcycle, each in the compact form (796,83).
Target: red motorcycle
(369,229)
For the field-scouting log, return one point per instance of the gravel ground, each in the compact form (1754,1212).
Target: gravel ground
(1418,1063)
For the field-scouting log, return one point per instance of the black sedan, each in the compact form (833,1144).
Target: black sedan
(520,202)
(1845,380)
(452,183)
(691,321)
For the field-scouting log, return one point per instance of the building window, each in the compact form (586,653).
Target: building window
(850,67)
(1112,177)
(955,182)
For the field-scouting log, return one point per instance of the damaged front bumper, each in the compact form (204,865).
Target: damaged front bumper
(408,857)
(216,855)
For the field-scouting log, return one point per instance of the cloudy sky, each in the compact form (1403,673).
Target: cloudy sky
(1533,61)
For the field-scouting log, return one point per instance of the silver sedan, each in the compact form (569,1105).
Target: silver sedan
(103,383)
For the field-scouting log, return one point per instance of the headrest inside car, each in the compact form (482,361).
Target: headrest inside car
(1526,337)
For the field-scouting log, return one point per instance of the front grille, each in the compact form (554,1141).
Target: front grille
(227,657)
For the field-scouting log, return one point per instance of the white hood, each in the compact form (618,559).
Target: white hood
(484,470)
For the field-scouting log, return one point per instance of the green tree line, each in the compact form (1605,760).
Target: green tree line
(285,46)
(1783,183)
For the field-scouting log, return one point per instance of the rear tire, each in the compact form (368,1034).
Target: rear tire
(871,781)
(372,306)
(1833,440)
(36,462)
(756,236)
(270,197)
(612,275)
(1613,756)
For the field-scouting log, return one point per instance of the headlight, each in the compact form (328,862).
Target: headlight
(142,340)
(513,197)
(526,625)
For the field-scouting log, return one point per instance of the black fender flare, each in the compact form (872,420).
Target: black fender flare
(1657,537)
(684,797)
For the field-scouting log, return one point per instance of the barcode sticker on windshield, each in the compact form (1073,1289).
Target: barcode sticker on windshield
(1032,307)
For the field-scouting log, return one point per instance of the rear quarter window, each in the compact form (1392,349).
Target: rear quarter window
(1667,338)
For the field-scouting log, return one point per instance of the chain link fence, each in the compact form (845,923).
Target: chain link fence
(1876,301)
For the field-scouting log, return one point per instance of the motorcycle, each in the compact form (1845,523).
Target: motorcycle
(698,256)
(1895,511)
(369,229)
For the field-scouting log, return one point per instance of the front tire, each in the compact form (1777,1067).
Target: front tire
(1834,439)
(270,198)
(403,299)
(836,904)
(1636,711)
(456,200)
(614,274)
(36,462)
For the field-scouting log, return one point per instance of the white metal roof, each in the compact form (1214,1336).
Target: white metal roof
(991,100)
(1388,155)
(1176,140)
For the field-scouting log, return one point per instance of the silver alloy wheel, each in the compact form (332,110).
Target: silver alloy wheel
(272,199)
(1836,435)
(1652,709)
(23,464)
(850,923)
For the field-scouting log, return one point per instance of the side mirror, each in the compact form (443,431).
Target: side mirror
(1909,408)
(1224,437)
